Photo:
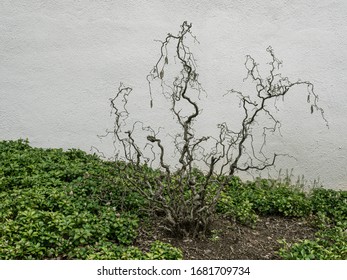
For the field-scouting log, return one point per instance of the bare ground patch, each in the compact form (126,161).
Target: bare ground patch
(229,240)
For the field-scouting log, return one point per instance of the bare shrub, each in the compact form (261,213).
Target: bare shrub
(183,195)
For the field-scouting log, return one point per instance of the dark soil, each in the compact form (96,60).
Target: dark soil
(229,240)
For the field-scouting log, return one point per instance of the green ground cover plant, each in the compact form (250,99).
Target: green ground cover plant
(57,204)
(327,209)
(66,205)
(330,211)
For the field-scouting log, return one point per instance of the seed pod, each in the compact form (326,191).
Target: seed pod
(151,138)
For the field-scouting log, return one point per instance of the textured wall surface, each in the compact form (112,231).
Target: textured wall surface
(61,61)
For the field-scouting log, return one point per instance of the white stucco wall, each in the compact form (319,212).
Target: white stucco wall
(60,62)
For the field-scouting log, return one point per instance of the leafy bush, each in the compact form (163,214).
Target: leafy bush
(329,205)
(66,205)
(163,251)
(37,234)
(329,208)
(25,167)
(244,201)
(108,250)
(237,207)
(276,198)
(329,244)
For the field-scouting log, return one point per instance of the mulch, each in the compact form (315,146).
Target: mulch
(230,240)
